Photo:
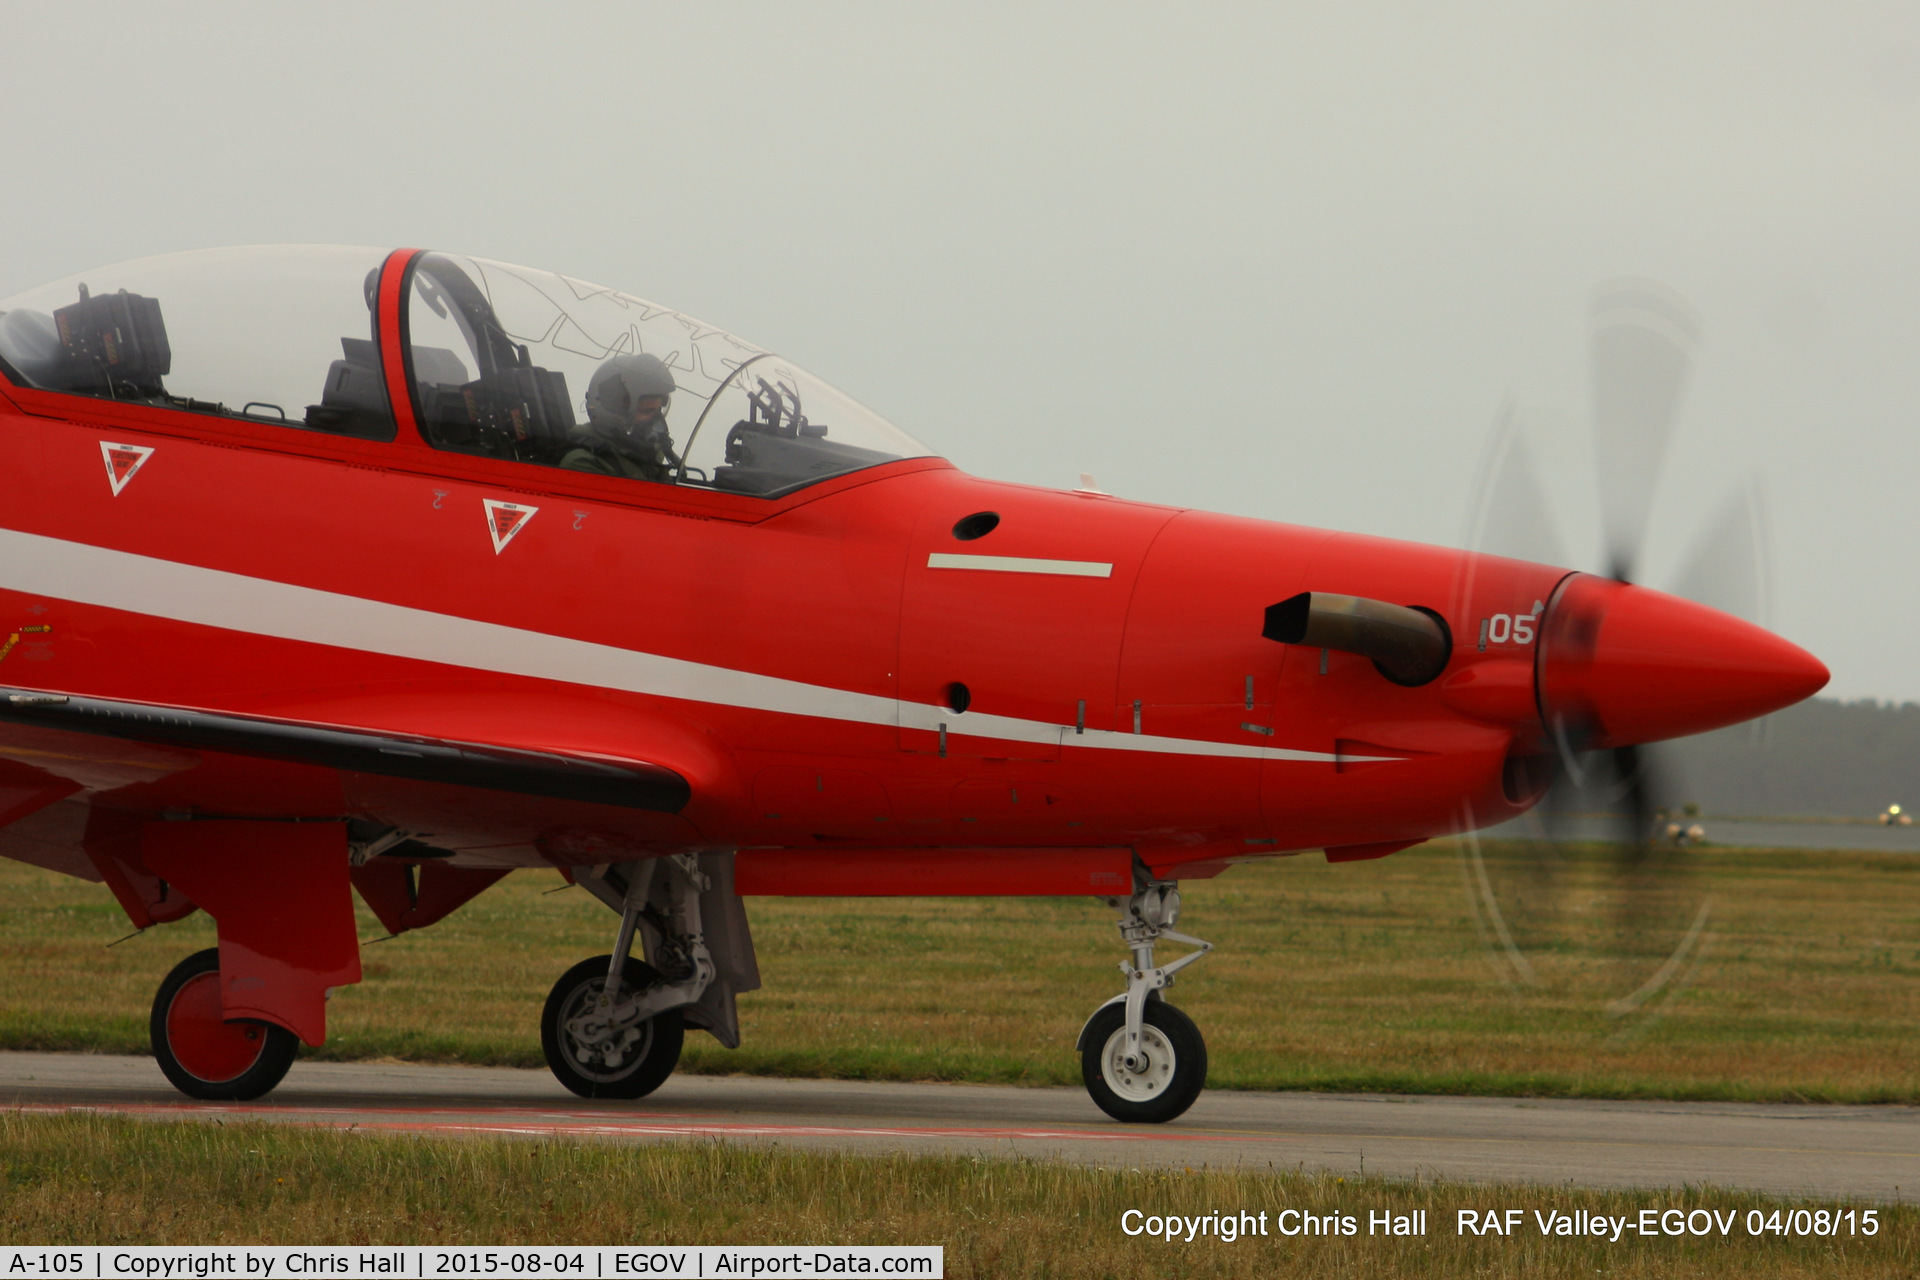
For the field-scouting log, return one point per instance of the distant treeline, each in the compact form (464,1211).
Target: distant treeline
(1821,758)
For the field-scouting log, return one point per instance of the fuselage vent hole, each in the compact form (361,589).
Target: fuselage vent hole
(959,697)
(977,525)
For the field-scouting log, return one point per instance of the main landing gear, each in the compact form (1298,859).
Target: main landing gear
(612,1027)
(1143,1060)
(204,1056)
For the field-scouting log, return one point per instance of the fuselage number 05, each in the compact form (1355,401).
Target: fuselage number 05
(1507,628)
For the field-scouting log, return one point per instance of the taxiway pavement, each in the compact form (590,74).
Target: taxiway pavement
(1837,1152)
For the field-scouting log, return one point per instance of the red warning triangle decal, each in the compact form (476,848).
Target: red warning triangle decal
(123,460)
(504,520)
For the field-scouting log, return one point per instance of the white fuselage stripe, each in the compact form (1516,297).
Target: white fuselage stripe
(1020,564)
(62,570)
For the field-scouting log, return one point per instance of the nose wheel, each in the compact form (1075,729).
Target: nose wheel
(203,1055)
(1142,1060)
(1155,1081)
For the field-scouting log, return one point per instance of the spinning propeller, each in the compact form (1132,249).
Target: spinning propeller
(1592,877)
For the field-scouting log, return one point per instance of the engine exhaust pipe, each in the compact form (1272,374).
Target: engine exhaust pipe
(1409,646)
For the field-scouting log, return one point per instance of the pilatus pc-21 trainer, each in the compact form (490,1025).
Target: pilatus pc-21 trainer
(332,569)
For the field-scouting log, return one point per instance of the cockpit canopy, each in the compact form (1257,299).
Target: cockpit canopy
(503,356)
(270,333)
(500,360)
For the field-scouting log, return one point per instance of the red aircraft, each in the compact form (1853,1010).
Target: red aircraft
(331,567)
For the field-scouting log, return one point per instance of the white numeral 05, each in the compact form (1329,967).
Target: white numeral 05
(1504,627)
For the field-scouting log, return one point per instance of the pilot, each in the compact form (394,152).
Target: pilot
(626,429)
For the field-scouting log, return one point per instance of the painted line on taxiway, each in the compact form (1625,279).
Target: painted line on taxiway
(570,1126)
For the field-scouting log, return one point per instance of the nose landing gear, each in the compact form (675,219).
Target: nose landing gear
(1143,1061)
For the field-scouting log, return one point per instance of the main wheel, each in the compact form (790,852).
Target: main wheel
(204,1055)
(630,1063)
(1160,1088)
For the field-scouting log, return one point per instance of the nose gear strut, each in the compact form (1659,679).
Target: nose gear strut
(1146,918)
(1143,1060)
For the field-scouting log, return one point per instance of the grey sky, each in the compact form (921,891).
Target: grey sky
(1280,261)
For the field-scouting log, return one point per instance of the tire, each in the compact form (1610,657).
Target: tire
(1176,1071)
(202,1054)
(647,1055)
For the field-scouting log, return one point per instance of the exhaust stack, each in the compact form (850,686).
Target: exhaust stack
(1408,646)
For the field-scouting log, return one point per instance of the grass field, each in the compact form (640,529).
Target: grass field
(102,1181)
(1367,976)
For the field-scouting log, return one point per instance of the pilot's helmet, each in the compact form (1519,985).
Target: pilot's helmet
(622,382)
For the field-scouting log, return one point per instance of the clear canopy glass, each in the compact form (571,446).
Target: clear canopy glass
(507,362)
(282,334)
(516,363)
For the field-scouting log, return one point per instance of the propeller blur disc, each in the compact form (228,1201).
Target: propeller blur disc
(1595,895)
(1643,342)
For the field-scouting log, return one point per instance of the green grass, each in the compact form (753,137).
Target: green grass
(103,1181)
(1365,976)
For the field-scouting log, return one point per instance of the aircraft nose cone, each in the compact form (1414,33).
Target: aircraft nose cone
(1621,664)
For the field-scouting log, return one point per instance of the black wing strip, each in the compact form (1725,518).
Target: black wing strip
(631,785)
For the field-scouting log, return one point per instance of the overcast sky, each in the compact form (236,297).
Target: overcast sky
(1283,261)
